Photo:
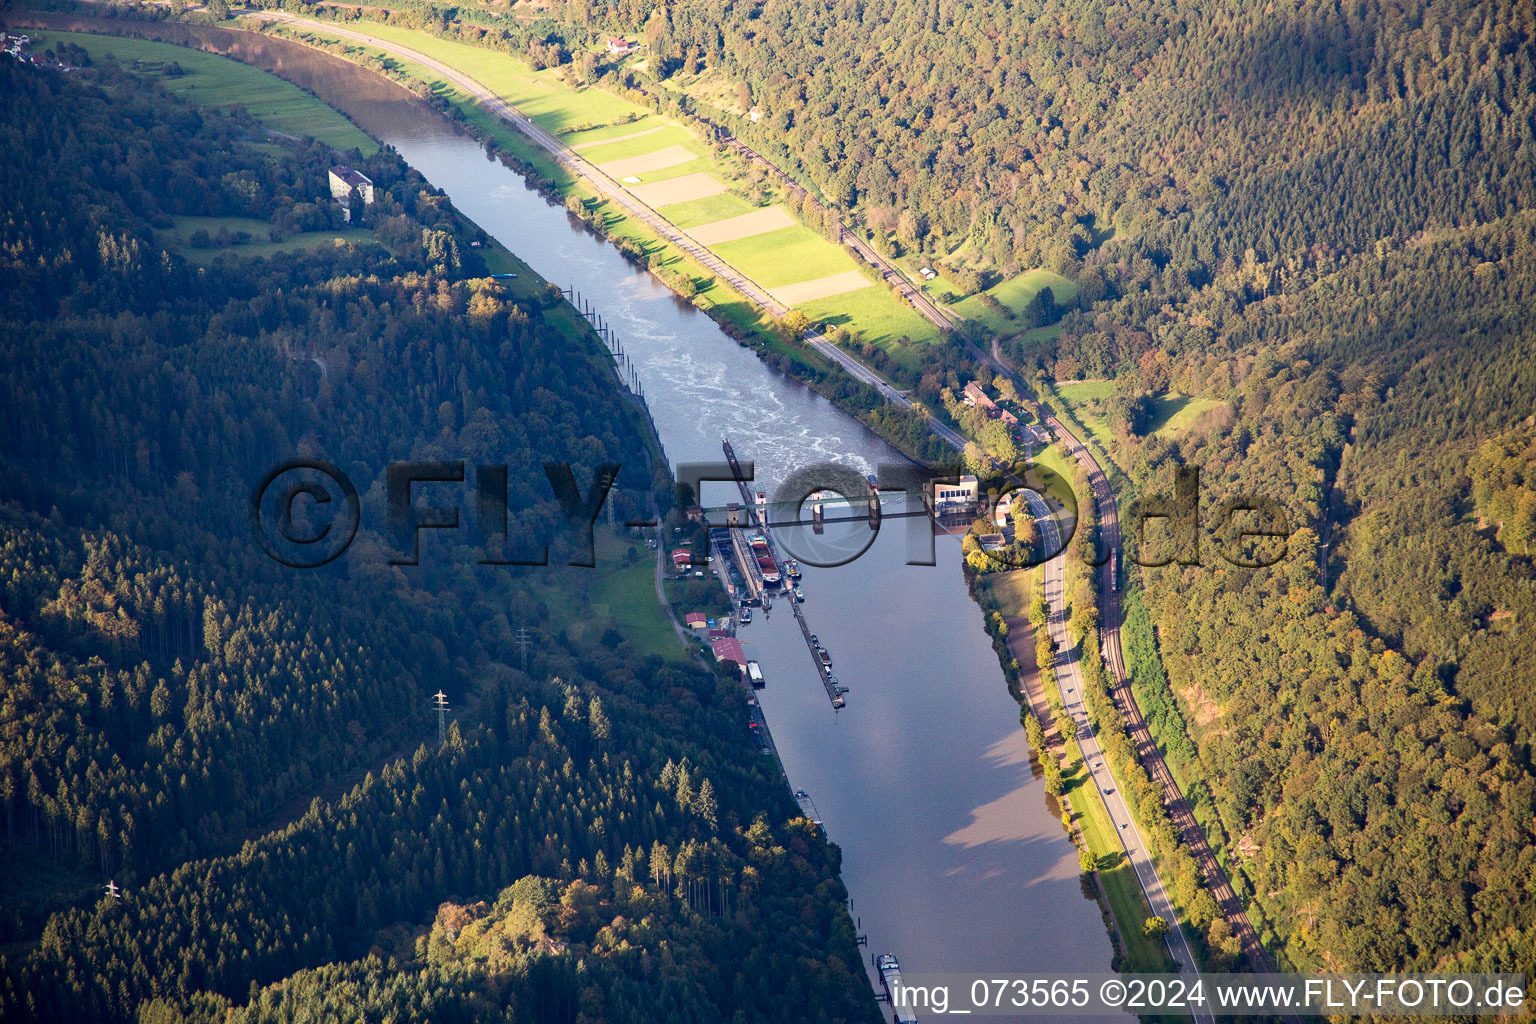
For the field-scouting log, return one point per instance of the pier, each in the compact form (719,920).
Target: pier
(749,508)
(727,543)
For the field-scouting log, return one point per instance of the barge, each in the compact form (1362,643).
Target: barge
(890,980)
(767,568)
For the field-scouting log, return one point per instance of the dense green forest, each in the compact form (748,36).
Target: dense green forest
(1148,143)
(1362,710)
(1315,218)
(247,749)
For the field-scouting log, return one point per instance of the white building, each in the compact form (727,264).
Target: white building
(955,497)
(345,181)
(1004,510)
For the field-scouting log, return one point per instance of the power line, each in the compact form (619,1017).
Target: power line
(525,641)
(440,705)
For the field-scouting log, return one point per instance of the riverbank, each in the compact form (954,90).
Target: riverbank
(978,850)
(908,427)
(1005,599)
(696,274)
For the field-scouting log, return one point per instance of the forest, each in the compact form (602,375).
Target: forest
(247,751)
(1317,218)
(1166,140)
(1314,218)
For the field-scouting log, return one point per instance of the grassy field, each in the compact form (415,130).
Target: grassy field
(1036,335)
(586,603)
(669,135)
(697,212)
(1009,591)
(1053,460)
(1015,294)
(222,83)
(874,315)
(1082,391)
(626,599)
(1172,416)
(178,238)
(1177,413)
(785,256)
(616,132)
(1126,901)
(588,114)
(1080,396)
(542,95)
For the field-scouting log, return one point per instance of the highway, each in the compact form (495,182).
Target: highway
(1136,851)
(1179,810)
(1070,681)
(1147,751)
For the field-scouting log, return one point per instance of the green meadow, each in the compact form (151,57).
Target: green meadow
(697,212)
(879,319)
(588,114)
(542,95)
(785,256)
(220,82)
(670,135)
(1015,295)
(1177,413)
(260,245)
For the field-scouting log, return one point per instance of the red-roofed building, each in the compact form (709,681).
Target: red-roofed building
(696,620)
(682,559)
(974,395)
(728,648)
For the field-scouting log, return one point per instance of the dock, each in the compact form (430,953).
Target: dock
(750,510)
(727,543)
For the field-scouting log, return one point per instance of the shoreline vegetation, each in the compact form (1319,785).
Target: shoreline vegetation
(190,717)
(1115,888)
(775,341)
(1296,247)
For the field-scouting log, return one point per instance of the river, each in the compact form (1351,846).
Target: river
(953,859)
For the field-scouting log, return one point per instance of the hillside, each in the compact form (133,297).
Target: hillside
(247,749)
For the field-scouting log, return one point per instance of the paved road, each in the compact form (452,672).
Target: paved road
(1135,848)
(1151,756)
(607,186)
(1070,681)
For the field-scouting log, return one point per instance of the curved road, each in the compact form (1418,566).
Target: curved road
(1151,756)
(646,214)
(1136,851)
